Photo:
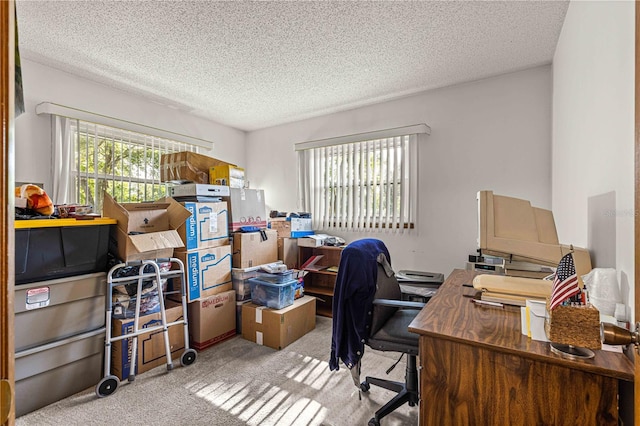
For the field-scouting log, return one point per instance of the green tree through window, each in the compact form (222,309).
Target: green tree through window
(125,164)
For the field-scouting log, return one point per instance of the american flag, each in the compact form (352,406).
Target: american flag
(565,283)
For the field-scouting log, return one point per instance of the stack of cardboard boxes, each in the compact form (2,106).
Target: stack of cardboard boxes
(145,231)
(252,245)
(289,229)
(207,236)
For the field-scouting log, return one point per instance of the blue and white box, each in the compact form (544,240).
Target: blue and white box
(208,225)
(208,271)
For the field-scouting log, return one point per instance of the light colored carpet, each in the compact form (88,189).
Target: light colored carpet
(238,382)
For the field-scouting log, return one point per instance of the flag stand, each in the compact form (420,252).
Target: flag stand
(571,352)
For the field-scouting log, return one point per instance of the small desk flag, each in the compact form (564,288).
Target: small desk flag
(565,284)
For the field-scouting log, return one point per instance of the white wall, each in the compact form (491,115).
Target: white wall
(45,84)
(489,134)
(593,134)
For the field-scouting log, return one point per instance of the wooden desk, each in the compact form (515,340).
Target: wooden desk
(478,368)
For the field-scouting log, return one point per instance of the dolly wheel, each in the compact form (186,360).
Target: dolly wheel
(374,422)
(364,387)
(188,357)
(107,386)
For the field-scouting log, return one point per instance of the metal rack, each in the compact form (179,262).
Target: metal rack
(110,382)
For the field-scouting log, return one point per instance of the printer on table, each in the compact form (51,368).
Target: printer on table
(419,286)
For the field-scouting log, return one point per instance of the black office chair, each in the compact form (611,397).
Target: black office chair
(386,329)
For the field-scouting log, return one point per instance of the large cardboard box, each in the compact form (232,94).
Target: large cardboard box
(288,252)
(246,208)
(151,347)
(249,248)
(146,230)
(206,227)
(187,166)
(212,320)
(208,271)
(282,226)
(278,328)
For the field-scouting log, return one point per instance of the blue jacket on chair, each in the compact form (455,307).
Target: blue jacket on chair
(353,300)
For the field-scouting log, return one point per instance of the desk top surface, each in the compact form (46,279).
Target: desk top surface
(452,316)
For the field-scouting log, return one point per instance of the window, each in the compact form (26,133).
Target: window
(361,182)
(123,163)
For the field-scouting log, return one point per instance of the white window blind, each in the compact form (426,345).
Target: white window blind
(361,182)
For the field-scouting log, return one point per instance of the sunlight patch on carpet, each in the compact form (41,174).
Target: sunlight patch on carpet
(265,404)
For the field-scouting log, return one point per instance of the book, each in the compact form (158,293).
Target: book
(311,263)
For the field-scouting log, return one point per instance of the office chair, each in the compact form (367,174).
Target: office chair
(385,321)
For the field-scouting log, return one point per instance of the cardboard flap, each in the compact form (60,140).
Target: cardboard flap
(156,241)
(178,214)
(111,208)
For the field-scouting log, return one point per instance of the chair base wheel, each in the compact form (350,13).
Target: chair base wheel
(373,422)
(364,387)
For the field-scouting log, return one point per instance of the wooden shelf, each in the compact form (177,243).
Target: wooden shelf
(323,272)
(319,290)
(324,311)
(321,283)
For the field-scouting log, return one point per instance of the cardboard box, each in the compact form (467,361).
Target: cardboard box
(208,271)
(212,320)
(146,230)
(187,166)
(278,328)
(206,227)
(228,174)
(312,240)
(288,252)
(246,208)
(151,347)
(294,227)
(250,250)
(239,305)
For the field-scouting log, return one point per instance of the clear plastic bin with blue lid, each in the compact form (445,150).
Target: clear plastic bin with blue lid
(273,290)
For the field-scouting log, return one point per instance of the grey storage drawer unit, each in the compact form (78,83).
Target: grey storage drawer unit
(59,338)
(47,311)
(48,373)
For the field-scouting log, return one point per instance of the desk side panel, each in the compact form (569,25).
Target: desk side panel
(465,384)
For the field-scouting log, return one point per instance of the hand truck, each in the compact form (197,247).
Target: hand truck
(141,272)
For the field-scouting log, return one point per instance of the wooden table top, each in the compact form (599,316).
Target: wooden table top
(451,315)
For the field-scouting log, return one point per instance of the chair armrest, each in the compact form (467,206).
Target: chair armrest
(399,303)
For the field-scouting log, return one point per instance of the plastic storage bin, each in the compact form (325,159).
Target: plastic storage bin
(276,278)
(55,248)
(240,281)
(272,295)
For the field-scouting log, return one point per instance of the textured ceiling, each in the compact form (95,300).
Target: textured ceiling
(252,65)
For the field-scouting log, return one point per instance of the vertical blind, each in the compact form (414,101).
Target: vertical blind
(362,185)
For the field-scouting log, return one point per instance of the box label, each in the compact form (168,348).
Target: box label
(38,298)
